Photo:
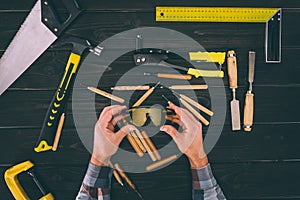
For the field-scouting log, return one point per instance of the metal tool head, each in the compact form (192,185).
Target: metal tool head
(251,68)
(78,44)
(235,115)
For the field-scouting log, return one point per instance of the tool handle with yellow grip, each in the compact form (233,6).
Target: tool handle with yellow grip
(232,69)
(205,73)
(248,111)
(175,76)
(57,105)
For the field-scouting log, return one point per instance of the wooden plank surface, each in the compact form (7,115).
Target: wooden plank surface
(262,164)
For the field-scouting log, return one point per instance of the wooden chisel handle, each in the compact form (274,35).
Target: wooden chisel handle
(197,105)
(175,76)
(147,147)
(134,145)
(151,145)
(248,111)
(140,87)
(143,98)
(189,87)
(120,171)
(192,110)
(232,69)
(106,94)
(160,163)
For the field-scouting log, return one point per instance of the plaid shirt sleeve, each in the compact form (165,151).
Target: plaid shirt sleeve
(96,184)
(205,185)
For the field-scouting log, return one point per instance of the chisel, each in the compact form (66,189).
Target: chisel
(249,100)
(145,96)
(173,87)
(171,76)
(233,79)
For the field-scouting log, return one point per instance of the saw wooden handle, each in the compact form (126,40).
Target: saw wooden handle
(160,163)
(189,87)
(232,69)
(175,76)
(194,112)
(106,94)
(143,98)
(248,111)
(197,105)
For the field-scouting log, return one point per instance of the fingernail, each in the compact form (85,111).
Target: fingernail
(163,129)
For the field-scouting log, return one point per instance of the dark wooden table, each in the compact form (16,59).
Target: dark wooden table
(262,164)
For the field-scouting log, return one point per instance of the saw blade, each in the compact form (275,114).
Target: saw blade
(32,39)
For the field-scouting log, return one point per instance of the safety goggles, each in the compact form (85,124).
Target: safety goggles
(141,116)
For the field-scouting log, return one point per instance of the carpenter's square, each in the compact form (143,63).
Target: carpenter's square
(39,30)
(13,183)
(249,100)
(233,84)
(60,98)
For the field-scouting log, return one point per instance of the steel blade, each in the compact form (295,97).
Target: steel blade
(29,43)
(235,115)
(251,66)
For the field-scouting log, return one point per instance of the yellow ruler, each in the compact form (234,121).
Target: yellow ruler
(214,14)
(270,16)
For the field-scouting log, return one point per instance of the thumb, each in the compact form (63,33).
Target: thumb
(120,134)
(170,130)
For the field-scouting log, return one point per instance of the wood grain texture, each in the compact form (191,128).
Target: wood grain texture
(262,164)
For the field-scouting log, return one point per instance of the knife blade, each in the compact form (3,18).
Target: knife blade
(39,30)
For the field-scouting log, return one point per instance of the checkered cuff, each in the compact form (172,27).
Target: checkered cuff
(203,178)
(98,177)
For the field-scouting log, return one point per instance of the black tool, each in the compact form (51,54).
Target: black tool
(60,98)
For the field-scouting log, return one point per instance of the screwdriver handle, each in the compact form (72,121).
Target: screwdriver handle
(175,76)
(248,111)
(232,69)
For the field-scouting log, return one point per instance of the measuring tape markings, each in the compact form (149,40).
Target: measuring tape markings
(270,16)
(214,14)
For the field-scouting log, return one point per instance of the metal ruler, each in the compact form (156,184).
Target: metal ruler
(270,16)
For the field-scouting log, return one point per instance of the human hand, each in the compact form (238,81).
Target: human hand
(189,141)
(106,141)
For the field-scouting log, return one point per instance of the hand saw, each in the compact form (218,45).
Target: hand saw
(39,30)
